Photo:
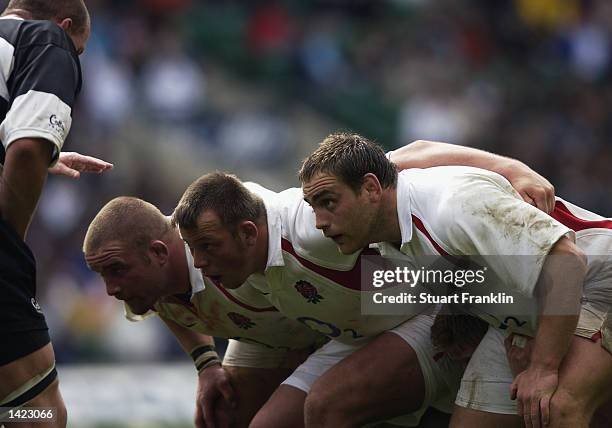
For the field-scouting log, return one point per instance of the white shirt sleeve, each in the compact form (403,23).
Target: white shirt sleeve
(486,217)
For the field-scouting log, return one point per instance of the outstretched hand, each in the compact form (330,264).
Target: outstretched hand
(71,164)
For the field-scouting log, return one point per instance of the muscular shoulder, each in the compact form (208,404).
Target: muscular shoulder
(448,200)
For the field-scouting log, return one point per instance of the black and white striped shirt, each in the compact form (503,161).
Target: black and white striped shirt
(40,77)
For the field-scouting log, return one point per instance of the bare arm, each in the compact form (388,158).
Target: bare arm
(213,382)
(560,296)
(188,339)
(23,178)
(559,291)
(532,187)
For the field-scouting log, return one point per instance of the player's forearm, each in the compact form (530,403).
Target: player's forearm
(426,154)
(188,339)
(23,177)
(559,293)
(552,340)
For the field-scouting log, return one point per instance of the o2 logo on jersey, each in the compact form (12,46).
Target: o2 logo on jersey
(326,328)
(35,305)
(506,323)
(57,125)
(308,291)
(240,320)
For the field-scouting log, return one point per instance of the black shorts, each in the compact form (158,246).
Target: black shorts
(23,328)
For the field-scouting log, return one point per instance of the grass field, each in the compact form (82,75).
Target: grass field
(129,396)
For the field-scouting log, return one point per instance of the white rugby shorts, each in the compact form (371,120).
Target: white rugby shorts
(442,377)
(254,355)
(485,385)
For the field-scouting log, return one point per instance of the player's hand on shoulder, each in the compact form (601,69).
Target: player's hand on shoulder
(71,164)
(215,399)
(533,188)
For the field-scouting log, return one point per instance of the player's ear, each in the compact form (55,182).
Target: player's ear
(160,251)
(248,232)
(66,24)
(371,186)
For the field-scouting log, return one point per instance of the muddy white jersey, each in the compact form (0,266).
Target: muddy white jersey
(308,279)
(242,314)
(463,211)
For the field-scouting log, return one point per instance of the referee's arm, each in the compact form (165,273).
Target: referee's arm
(23,177)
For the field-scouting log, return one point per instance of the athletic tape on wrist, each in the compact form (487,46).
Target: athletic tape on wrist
(204,356)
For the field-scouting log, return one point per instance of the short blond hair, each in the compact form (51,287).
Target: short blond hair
(128,220)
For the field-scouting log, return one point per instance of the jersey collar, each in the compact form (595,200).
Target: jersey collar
(195,275)
(404,215)
(404,208)
(273,214)
(12,16)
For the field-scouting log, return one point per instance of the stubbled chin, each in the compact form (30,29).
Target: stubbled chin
(344,249)
(350,248)
(139,309)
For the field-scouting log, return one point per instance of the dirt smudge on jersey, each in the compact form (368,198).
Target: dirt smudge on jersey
(517,222)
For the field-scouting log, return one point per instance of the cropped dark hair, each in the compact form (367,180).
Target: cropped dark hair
(55,9)
(222,193)
(349,157)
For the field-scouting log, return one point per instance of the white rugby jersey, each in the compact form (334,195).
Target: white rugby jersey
(40,77)
(455,211)
(594,237)
(308,279)
(242,314)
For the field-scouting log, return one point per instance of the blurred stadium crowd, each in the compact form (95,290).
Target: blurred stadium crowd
(176,88)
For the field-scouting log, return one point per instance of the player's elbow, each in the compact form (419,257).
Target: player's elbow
(418,145)
(572,254)
(567,265)
(581,259)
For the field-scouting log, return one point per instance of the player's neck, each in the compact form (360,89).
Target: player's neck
(262,246)
(387,224)
(178,267)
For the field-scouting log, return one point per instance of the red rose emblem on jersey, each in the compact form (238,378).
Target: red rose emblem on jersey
(240,320)
(309,291)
